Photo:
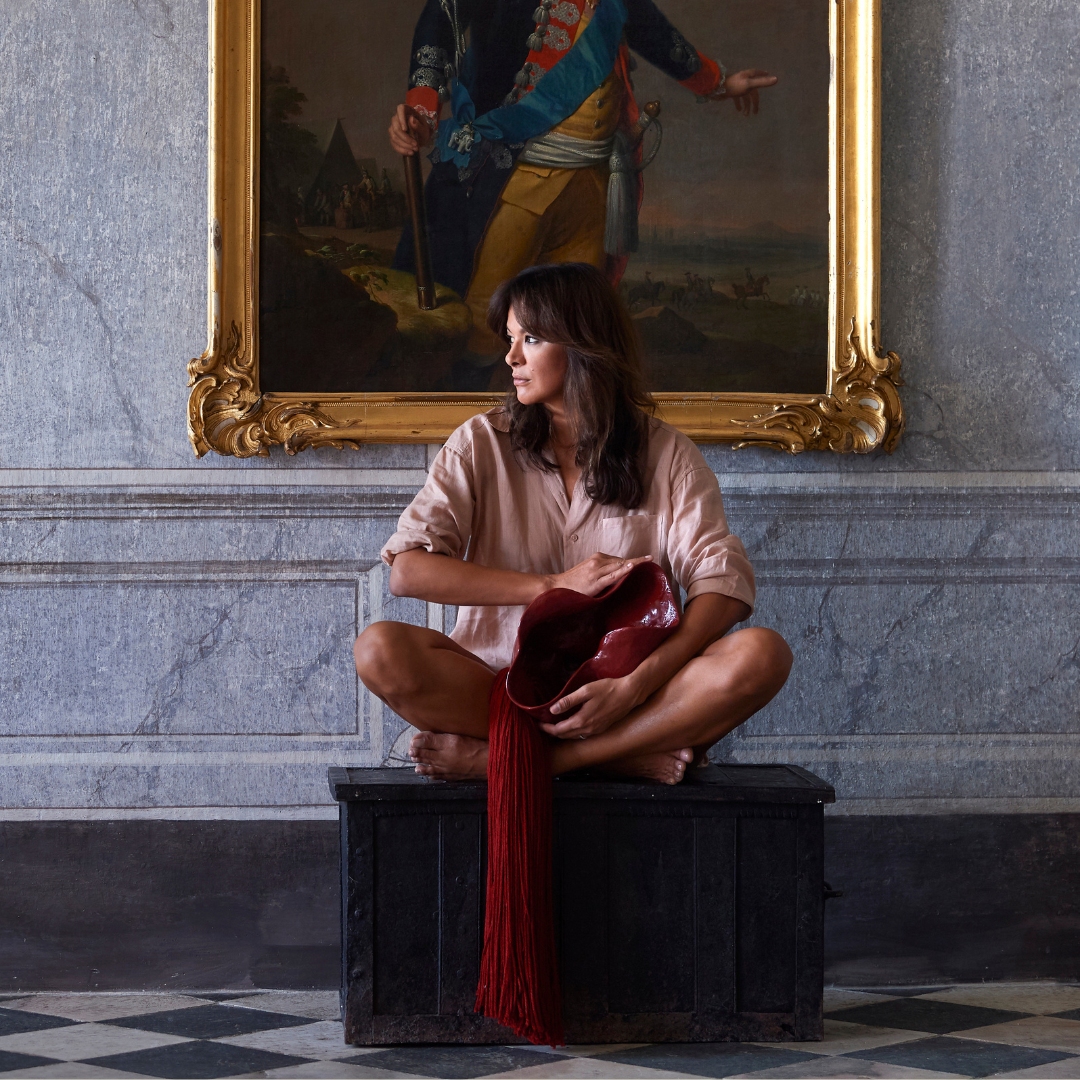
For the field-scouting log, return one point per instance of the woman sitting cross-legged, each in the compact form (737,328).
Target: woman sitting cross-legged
(568,485)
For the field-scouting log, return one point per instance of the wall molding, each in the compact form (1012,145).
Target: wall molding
(175,813)
(917,807)
(256,475)
(187,572)
(868,570)
(44,502)
(803,573)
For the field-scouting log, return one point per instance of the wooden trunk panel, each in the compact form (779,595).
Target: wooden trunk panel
(686,914)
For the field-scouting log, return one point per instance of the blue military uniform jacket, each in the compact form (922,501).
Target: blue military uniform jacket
(458,207)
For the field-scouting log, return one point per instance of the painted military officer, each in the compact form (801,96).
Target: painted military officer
(533,162)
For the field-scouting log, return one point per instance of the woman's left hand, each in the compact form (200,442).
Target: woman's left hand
(602,703)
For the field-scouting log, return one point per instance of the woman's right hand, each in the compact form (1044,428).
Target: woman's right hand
(597,573)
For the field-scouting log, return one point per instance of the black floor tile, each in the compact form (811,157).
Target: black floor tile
(896,991)
(10,1061)
(15,1022)
(210,1021)
(222,995)
(1072,1014)
(196,1060)
(708,1059)
(922,1014)
(964,1056)
(452,1062)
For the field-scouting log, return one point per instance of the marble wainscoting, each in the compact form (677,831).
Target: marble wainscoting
(936,632)
(163,639)
(177,676)
(189,650)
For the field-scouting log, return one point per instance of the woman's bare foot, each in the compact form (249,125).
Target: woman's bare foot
(449,757)
(668,767)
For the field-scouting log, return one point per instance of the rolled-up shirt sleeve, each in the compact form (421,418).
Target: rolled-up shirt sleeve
(440,518)
(704,555)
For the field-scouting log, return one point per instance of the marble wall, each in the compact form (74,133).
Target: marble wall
(178,632)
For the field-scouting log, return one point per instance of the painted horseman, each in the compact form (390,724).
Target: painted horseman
(533,163)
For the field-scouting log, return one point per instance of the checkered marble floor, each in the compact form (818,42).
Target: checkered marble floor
(1003,1030)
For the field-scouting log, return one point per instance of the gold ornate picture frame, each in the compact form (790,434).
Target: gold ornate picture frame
(858,411)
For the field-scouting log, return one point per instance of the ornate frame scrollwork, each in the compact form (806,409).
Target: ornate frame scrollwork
(860,411)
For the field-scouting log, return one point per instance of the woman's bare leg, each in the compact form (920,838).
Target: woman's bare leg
(426,677)
(443,689)
(713,694)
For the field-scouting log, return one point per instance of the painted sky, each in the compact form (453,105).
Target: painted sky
(715,170)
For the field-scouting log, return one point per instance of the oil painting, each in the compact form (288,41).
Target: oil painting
(723,257)
(376,172)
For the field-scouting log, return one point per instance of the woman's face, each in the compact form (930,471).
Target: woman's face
(538,367)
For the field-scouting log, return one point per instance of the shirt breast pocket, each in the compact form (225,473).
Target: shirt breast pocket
(633,536)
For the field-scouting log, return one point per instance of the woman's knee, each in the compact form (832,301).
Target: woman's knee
(761,662)
(384,655)
(769,658)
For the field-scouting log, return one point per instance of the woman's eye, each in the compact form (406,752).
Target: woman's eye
(530,340)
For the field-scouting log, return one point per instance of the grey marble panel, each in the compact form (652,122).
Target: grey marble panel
(104,198)
(932,657)
(138,658)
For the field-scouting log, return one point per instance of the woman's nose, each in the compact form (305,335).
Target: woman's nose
(514,357)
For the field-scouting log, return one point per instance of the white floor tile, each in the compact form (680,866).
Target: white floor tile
(838,998)
(1045,1032)
(100,1006)
(323,1039)
(80,1041)
(1067,1069)
(318,1004)
(328,1070)
(583,1050)
(587,1069)
(1038,997)
(67,1071)
(842,1069)
(844,1038)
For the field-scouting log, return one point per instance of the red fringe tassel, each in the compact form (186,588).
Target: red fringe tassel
(519,976)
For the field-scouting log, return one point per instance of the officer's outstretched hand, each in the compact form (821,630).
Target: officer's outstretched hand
(409,131)
(743,87)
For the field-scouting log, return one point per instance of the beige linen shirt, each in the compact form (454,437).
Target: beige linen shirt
(480,503)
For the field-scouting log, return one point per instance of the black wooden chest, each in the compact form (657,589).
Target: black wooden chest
(684,914)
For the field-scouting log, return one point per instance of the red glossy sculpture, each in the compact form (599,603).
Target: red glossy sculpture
(566,639)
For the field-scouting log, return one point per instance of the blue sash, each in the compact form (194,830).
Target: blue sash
(557,96)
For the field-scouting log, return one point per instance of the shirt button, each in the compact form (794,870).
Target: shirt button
(574,537)
(599,102)
(596,123)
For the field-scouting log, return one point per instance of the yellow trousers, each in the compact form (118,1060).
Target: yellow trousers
(543,216)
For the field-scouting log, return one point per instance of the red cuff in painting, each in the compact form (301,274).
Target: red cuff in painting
(706,79)
(425,100)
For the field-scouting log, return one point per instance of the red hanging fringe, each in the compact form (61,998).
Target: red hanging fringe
(519,975)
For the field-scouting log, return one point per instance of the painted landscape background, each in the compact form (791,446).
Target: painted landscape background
(729,287)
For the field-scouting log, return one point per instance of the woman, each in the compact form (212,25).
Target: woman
(568,485)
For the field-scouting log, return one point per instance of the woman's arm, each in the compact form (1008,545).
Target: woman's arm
(605,702)
(441,579)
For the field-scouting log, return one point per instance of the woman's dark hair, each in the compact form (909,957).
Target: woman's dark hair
(574,305)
